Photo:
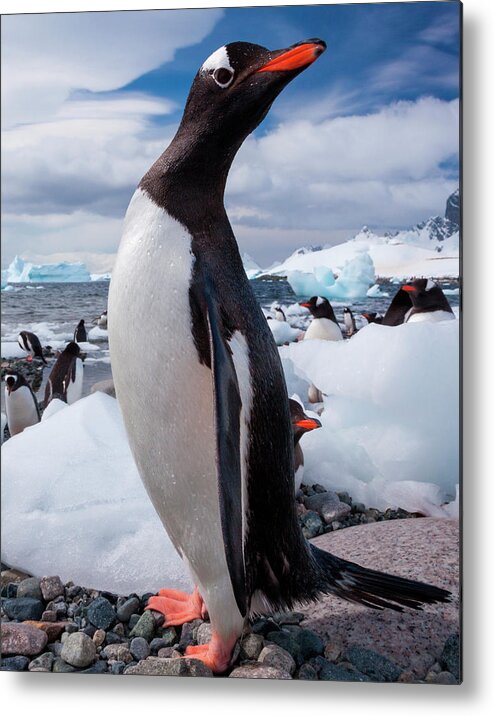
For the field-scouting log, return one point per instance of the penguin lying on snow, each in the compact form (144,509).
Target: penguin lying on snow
(226,497)
(21,405)
(30,343)
(65,379)
(324,324)
(419,300)
(301,424)
(80,333)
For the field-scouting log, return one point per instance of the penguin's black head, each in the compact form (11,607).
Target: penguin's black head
(72,349)
(235,87)
(424,294)
(13,381)
(301,423)
(320,307)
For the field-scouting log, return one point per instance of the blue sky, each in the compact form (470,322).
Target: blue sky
(367,135)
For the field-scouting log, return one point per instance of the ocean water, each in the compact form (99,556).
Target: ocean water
(52,311)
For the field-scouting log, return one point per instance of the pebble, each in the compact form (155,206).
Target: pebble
(170,667)
(29,588)
(22,639)
(101,613)
(203,633)
(127,609)
(168,638)
(14,663)
(99,637)
(258,671)
(61,667)
(274,655)
(23,608)
(99,667)
(332,651)
(117,652)
(337,672)
(49,616)
(251,646)
(369,662)
(307,673)
(51,588)
(139,648)
(450,656)
(145,626)
(53,630)
(44,662)
(12,575)
(446,677)
(312,524)
(78,650)
(118,667)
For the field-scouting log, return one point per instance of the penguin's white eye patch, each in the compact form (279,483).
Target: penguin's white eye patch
(223,76)
(430,284)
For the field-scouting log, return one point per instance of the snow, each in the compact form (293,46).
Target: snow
(390,426)
(21,271)
(283,332)
(354,279)
(252,269)
(79,508)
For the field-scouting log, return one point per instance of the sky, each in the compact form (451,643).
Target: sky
(368,135)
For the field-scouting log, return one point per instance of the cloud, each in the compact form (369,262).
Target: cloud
(421,66)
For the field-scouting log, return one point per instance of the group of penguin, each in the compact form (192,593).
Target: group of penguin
(64,382)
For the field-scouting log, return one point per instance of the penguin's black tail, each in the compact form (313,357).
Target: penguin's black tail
(371,588)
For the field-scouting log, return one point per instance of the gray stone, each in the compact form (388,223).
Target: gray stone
(118,667)
(61,667)
(168,639)
(29,588)
(450,657)
(117,652)
(44,662)
(51,588)
(23,609)
(251,646)
(14,663)
(274,655)
(332,651)
(101,613)
(204,633)
(128,608)
(145,627)
(139,648)
(99,667)
(186,636)
(337,672)
(99,637)
(22,639)
(378,667)
(310,644)
(446,677)
(288,617)
(258,671)
(312,524)
(328,505)
(49,616)
(79,650)
(307,673)
(155,666)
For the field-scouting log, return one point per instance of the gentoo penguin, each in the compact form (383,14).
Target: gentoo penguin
(80,333)
(349,321)
(419,300)
(324,324)
(29,342)
(21,405)
(102,321)
(372,317)
(208,420)
(301,424)
(65,379)
(279,313)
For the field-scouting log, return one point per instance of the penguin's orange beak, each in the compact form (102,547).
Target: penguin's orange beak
(308,424)
(408,289)
(296,57)
(304,305)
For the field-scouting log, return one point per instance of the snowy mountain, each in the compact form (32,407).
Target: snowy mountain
(430,248)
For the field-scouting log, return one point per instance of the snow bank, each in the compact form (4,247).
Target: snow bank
(21,271)
(353,281)
(79,508)
(391,413)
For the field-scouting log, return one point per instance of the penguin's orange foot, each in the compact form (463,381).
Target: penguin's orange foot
(216,655)
(178,607)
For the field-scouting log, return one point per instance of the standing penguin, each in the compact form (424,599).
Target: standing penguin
(324,324)
(279,313)
(301,424)
(65,379)
(80,333)
(349,321)
(227,496)
(419,300)
(30,343)
(21,405)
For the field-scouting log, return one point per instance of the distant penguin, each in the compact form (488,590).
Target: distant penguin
(102,321)
(301,424)
(30,343)
(419,300)
(279,313)
(349,321)
(80,333)
(65,379)
(324,324)
(21,405)
(372,317)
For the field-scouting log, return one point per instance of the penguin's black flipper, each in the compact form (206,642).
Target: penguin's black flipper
(227,421)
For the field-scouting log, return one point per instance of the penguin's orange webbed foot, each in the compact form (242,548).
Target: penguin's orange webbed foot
(178,607)
(216,655)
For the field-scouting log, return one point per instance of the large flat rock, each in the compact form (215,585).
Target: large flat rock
(426,549)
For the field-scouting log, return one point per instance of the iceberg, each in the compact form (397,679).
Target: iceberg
(251,268)
(21,271)
(390,425)
(80,509)
(353,281)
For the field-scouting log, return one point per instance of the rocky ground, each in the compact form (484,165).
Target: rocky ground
(51,626)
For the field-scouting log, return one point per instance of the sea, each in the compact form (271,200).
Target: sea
(52,311)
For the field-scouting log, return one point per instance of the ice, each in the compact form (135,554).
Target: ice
(21,271)
(375,292)
(98,334)
(353,281)
(251,268)
(283,332)
(73,504)
(390,421)
(100,276)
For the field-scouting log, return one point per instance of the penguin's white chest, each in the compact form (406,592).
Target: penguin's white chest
(323,329)
(429,316)
(21,410)
(165,393)
(74,388)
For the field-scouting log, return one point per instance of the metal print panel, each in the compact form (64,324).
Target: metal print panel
(230,342)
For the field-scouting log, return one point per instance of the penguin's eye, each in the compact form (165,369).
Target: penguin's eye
(223,76)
